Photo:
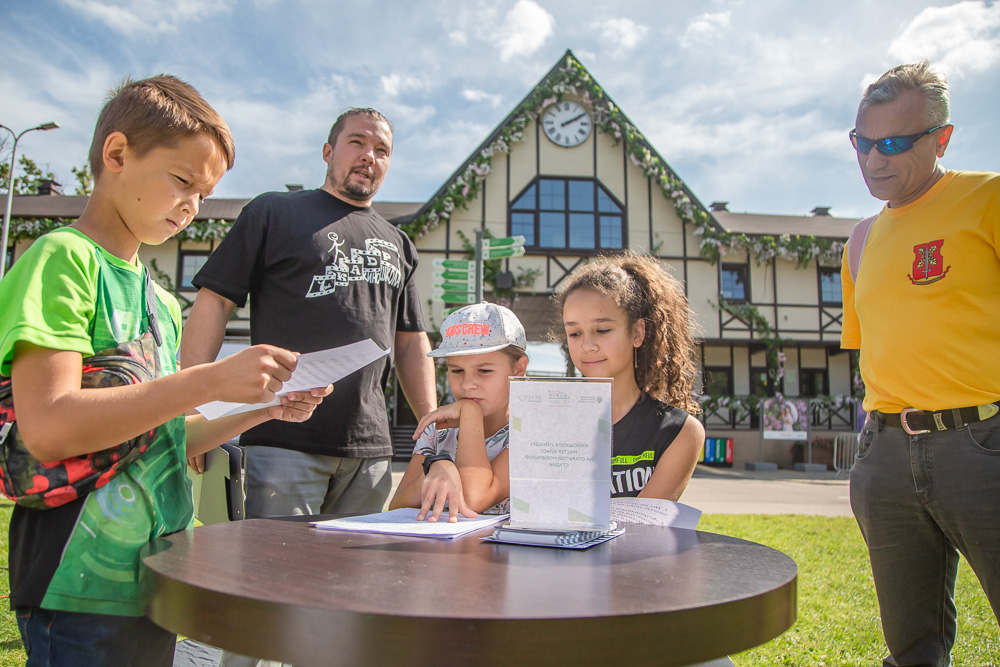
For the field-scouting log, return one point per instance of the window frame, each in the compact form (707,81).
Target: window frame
(593,236)
(179,277)
(744,271)
(829,271)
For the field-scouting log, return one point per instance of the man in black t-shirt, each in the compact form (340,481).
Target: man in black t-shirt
(322,269)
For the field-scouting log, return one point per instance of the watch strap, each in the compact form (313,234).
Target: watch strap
(440,456)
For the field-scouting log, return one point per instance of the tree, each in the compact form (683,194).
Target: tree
(84,180)
(29,180)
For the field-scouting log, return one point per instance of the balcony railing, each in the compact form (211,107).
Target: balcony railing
(740,413)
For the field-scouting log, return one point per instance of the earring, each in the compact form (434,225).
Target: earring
(635,358)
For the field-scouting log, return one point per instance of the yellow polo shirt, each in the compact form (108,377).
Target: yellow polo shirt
(925,311)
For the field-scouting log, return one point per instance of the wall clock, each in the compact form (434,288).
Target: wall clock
(566,123)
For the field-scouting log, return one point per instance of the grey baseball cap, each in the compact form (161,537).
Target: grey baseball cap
(479,328)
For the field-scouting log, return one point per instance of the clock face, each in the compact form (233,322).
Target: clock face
(566,123)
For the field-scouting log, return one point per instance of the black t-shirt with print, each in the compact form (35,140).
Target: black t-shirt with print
(321,273)
(638,441)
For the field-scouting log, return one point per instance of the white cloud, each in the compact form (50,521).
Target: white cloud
(473,95)
(620,34)
(960,38)
(524,30)
(134,18)
(393,84)
(458,38)
(702,29)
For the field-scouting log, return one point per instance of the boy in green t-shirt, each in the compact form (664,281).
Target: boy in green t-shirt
(158,150)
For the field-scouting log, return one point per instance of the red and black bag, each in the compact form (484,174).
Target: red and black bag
(37,485)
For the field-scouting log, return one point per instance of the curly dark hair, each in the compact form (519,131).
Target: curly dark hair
(665,362)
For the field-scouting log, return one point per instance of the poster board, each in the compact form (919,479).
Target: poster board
(560,453)
(784,418)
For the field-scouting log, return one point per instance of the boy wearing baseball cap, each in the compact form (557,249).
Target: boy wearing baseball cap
(460,459)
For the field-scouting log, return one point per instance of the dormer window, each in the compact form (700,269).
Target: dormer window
(568,214)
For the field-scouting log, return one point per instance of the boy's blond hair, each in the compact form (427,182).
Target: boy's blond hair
(155,112)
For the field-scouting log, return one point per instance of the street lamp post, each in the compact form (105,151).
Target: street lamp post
(10,188)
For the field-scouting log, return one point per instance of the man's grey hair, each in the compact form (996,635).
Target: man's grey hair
(930,83)
(368,112)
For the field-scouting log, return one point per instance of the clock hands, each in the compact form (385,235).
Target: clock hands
(573,120)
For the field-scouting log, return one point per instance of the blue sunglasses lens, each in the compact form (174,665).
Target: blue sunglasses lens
(893,145)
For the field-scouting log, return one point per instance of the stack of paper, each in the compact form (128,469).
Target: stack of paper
(403,521)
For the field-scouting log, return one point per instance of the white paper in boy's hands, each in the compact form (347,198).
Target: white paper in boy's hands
(654,512)
(314,369)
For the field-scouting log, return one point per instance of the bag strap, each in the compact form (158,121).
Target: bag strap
(856,245)
(152,320)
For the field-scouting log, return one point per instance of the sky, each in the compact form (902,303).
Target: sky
(749,101)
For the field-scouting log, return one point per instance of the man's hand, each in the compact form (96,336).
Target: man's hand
(298,406)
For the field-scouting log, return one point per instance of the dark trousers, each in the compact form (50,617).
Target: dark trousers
(64,638)
(919,501)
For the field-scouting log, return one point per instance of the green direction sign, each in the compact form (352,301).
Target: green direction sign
(503,242)
(454,275)
(459,264)
(503,251)
(454,297)
(451,287)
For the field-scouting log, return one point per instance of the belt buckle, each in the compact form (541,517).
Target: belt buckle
(906,427)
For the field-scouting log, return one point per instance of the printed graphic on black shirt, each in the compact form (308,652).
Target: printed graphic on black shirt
(377,263)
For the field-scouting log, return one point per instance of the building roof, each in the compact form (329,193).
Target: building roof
(213,208)
(398,212)
(755,224)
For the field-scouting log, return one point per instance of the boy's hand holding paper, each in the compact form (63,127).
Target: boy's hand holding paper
(315,369)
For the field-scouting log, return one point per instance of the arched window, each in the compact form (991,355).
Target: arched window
(568,214)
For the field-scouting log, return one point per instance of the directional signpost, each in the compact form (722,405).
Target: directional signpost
(510,246)
(461,280)
(454,281)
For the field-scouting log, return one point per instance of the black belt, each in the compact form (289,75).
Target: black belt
(916,422)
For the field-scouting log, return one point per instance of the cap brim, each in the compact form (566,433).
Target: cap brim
(462,351)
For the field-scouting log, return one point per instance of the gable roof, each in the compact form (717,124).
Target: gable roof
(567,76)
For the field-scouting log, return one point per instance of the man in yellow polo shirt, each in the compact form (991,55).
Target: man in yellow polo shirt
(923,307)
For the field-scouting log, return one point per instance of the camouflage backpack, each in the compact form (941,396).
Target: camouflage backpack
(37,485)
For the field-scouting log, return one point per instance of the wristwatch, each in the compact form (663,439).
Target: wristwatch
(440,456)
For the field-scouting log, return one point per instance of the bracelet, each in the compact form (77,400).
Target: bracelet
(440,456)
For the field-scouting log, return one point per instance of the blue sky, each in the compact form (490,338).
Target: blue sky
(750,101)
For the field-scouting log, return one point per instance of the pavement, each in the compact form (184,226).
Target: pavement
(738,491)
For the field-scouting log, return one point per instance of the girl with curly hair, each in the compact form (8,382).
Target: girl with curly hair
(626,318)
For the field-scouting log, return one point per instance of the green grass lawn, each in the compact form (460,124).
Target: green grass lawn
(837,623)
(838,619)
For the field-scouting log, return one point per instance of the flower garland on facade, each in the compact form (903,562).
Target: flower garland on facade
(572,78)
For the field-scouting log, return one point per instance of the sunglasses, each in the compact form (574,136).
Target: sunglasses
(888,145)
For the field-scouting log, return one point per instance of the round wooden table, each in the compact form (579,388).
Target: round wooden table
(283,590)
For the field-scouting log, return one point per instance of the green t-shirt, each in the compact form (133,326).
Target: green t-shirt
(68,293)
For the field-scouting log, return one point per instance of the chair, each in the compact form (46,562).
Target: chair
(218,492)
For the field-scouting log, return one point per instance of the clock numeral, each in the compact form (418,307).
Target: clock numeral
(582,131)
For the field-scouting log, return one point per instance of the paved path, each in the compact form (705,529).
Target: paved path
(735,491)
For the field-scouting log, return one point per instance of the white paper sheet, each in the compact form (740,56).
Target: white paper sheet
(314,369)
(560,453)
(403,521)
(654,512)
